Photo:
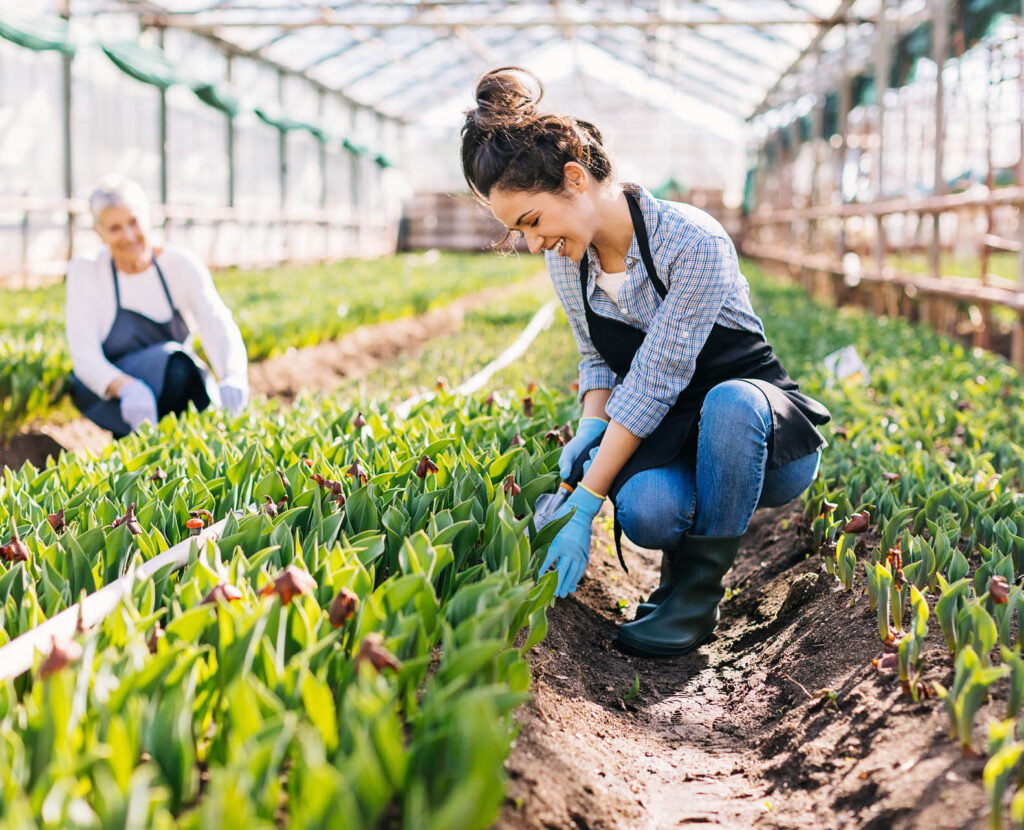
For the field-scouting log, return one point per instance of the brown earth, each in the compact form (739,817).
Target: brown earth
(321,368)
(780,721)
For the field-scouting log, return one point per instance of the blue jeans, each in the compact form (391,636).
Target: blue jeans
(658,507)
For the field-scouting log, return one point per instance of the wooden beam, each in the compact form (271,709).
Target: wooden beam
(825,27)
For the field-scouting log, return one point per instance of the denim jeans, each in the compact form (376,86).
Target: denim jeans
(658,507)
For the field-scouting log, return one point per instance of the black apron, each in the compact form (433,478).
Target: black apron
(727,354)
(138,346)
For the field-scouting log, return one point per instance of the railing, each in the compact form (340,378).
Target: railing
(942,296)
(370,236)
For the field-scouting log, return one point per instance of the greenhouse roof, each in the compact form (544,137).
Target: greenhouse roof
(403,57)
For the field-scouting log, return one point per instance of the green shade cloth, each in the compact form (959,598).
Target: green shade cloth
(980,17)
(669,188)
(748,191)
(382,161)
(804,127)
(910,49)
(863,91)
(830,117)
(785,140)
(146,65)
(217,98)
(353,148)
(40,34)
(287,125)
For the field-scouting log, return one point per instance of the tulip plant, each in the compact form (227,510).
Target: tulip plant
(290,670)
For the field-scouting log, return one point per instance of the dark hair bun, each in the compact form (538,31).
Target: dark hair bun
(507,142)
(504,98)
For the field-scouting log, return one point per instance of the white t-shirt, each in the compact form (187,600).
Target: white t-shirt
(91,305)
(611,283)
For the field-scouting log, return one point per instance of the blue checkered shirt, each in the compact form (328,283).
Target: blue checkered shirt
(696,261)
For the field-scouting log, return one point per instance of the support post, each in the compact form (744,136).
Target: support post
(230,142)
(940,49)
(66,148)
(163,138)
(1017,345)
(882,60)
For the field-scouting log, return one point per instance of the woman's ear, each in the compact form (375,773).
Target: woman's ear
(575,177)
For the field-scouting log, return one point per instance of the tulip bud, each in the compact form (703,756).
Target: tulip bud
(858,522)
(998,590)
(15,550)
(222,592)
(425,467)
(292,582)
(372,649)
(61,655)
(357,471)
(56,520)
(342,607)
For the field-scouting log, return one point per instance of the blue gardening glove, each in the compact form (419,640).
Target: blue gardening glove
(571,547)
(586,431)
(590,460)
(138,404)
(234,394)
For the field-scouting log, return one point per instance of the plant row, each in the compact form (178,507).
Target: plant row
(277,309)
(342,657)
(919,506)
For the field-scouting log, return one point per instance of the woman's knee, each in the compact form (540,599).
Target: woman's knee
(655,517)
(785,483)
(183,384)
(734,404)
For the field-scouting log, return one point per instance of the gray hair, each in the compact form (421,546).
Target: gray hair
(119,191)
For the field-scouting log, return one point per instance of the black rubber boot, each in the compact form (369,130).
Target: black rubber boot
(688,616)
(669,578)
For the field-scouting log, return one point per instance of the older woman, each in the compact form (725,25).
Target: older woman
(131,310)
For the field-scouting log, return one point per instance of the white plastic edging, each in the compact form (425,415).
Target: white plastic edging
(18,656)
(541,320)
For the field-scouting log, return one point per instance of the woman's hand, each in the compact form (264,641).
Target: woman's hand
(234,395)
(138,403)
(570,549)
(588,430)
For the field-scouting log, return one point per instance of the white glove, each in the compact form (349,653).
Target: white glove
(234,394)
(138,404)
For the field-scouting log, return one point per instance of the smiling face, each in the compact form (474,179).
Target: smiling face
(562,222)
(121,229)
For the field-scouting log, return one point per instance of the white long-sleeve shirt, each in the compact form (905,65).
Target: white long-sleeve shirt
(91,305)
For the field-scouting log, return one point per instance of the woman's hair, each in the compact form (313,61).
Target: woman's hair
(118,191)
(507,143)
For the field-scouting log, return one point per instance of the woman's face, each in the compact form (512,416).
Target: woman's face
(561,222)
(120,228)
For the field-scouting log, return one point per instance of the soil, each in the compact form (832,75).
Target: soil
(780,721)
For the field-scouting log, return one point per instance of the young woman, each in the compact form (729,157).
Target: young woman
(130,312)
(698,423)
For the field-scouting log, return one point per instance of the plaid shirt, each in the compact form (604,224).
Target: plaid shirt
(696,261)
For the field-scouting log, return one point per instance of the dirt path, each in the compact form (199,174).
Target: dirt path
(780,721)
(322,368)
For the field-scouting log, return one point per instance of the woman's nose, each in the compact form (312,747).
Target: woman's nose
(535,243)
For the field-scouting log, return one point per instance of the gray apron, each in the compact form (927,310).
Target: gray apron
(138,346)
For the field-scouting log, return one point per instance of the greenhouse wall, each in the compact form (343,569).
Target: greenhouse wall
(294,194)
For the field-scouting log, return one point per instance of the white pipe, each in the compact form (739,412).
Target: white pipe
(18,656)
